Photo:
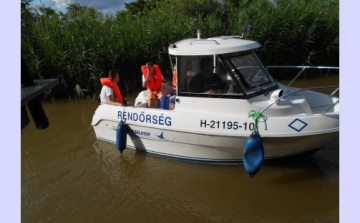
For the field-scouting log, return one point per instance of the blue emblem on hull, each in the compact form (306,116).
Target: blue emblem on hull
(298,125)
(161,136)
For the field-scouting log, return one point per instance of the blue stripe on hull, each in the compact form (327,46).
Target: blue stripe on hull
(192,159)
(203,160)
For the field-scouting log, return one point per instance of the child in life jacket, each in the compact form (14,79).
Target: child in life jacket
(110,92)
(152,80)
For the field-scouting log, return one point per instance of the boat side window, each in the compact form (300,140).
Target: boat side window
(202,75)
(185,71)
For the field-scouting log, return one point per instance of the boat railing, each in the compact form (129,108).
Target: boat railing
(304,68)
(304,89)
(204,41)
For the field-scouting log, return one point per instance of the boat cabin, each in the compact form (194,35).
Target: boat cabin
(234,61)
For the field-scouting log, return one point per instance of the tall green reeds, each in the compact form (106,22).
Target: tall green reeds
(80,46)
(293,32)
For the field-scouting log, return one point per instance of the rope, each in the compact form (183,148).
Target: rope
(121,121)
(255,115)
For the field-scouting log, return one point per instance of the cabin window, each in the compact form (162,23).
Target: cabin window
(204,76)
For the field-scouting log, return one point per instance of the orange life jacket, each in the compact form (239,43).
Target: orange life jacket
(155,82)
(105,81)
(174,80)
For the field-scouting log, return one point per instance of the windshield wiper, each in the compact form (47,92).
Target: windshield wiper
(251,82)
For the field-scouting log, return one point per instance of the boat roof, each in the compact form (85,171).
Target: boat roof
(213,45)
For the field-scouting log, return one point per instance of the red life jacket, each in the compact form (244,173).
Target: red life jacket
(105,81)
(174,80)
(155,82)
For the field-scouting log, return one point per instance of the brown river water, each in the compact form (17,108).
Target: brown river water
(67,175)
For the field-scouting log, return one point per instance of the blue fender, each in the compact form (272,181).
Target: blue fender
(253,155)
(121,136)
(165,102)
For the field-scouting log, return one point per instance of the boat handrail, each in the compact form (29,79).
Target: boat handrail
(303,68)
(304,89)
(331,107)
(237,37)
(336,90)
(203,41)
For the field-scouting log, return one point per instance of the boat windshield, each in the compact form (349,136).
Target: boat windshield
(248,72)
(237,75)
(250,69)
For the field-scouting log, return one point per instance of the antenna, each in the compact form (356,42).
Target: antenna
(198,34)
(247,28)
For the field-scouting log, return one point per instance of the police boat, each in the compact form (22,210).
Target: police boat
(214,127)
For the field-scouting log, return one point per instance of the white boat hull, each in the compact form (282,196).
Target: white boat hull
(207,137)
(211,148)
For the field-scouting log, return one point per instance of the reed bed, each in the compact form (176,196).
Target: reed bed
(80,46)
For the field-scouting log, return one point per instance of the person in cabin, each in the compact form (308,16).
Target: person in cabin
(110,92)
(152,80)
(174,81)
(206,81)
(173,91)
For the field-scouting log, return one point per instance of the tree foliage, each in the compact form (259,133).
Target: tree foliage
(141,6)
(27,18)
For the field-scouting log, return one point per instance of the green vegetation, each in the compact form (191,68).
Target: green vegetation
(80,46)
